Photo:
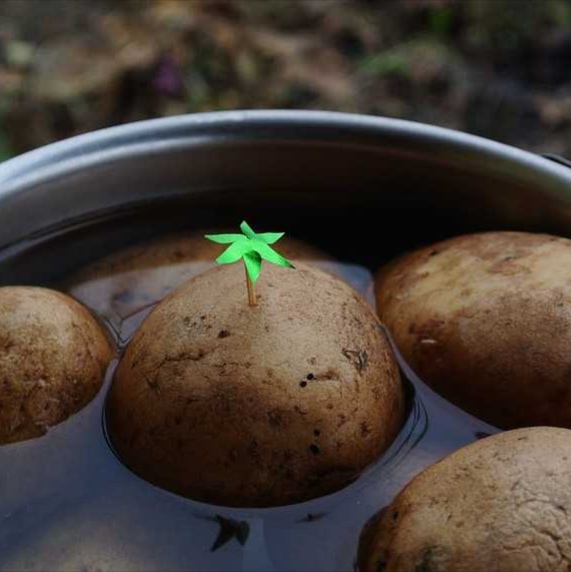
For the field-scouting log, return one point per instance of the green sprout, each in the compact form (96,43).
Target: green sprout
(252,248)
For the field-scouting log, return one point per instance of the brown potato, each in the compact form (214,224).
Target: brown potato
(120,284)
(255,406)
(485,320)
(53,358)
(97,534)
(502,504)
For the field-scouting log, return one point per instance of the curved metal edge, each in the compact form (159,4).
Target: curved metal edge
(156,135)
(557,159)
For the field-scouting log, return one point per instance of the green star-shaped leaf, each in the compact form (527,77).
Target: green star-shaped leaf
(252,248)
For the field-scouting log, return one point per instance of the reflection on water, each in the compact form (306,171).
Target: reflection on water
(67,503)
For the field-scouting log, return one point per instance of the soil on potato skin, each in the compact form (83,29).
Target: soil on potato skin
(495,68)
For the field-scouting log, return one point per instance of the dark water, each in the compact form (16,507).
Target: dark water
(67,503)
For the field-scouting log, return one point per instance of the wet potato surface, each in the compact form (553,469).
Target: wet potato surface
(502,504)
(53,358)
(485,319)
(293,397)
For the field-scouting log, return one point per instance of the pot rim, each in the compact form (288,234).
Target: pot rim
(155,135)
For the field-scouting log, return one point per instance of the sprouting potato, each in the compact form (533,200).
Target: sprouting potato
(126,281)
(256,406)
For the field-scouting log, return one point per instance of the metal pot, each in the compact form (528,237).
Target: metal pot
(378,185)
(293,158)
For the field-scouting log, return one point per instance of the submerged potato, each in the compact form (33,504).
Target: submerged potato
(120,284)
(273,404)
(53,358)
(502,504)
(485,320)
(93,533)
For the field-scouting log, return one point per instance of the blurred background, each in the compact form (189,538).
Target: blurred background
(497,68)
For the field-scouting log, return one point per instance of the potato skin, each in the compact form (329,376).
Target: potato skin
(53,359)
(485,320)
(256,406)
(502,504)
(127,280)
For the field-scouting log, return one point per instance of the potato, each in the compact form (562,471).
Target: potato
(485,320)
(135,277)
(255,406)
(502,504)
(53,358)
(88,536)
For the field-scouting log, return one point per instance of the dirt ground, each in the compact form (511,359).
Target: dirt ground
(497,68)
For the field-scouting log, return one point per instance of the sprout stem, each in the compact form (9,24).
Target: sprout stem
(252,299)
